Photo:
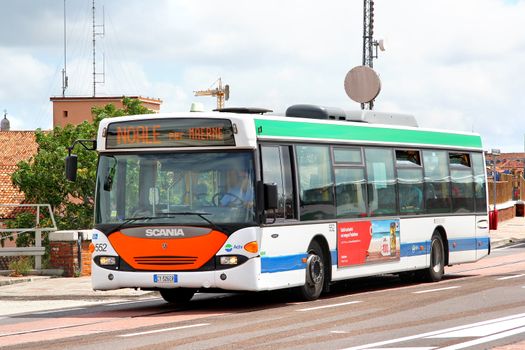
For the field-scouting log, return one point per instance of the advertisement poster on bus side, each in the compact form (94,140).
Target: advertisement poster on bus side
(364,242)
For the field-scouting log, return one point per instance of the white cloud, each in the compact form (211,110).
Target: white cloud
(454,64)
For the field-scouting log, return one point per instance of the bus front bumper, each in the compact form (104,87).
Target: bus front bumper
(243,277)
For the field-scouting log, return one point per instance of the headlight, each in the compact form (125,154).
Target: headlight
(229,260)
(107,260)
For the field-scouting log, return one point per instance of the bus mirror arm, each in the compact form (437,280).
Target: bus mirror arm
(72,159)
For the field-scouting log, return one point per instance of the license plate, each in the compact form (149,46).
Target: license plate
(165,278)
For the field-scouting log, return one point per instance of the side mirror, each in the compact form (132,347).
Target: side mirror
(271,198)
(71,167)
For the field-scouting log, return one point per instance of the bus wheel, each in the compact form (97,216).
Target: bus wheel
(315,273)
(177,296)
(436,270)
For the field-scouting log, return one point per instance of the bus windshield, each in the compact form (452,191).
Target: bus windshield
(190,188)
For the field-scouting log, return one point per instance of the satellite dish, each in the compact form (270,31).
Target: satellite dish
(381,44)
(227,92)
(362,84)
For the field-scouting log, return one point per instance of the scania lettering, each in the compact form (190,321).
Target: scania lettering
(242,200)
(157,232)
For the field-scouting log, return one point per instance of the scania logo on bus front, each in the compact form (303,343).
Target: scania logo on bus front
(164,232)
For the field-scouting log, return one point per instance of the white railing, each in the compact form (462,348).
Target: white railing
(37,251)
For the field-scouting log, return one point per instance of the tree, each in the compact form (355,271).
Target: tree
(42,178)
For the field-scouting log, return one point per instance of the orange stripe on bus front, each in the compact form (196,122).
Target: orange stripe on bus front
(170,254)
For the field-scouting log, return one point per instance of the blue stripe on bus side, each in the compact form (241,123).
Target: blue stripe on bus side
(295,262)
(282,263)
(457,245)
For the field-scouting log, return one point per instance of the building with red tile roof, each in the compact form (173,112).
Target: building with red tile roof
(15,146)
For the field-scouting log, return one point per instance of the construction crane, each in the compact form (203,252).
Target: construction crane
(222,93)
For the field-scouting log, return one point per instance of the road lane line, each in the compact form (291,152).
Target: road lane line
(164,330)
(510,277)
(430,334)
(329,306)
(483,340)
(484,330)
(435,290)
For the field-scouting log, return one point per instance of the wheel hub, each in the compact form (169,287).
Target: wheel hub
(314,267)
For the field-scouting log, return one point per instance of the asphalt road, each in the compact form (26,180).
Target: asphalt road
(476,306)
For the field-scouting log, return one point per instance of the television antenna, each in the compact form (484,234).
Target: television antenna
(95,33)
(362,84)
(64,72)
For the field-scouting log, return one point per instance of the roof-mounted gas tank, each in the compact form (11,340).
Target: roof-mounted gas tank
(363,116)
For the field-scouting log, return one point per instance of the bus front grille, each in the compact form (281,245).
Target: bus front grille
(165,260)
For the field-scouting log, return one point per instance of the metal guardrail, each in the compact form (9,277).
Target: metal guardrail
(37,251)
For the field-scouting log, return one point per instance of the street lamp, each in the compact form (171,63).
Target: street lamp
(495,152)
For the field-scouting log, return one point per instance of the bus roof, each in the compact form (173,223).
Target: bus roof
(247,128)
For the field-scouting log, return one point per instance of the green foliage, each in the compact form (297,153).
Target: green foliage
(42,177)
(21,266)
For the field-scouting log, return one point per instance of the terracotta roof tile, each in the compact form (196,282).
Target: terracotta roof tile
(15,146)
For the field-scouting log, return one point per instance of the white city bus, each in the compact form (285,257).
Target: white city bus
(241,200)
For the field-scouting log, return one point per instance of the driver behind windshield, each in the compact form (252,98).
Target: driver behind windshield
(239,189)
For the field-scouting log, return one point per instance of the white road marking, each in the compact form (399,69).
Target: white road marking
(484,330)
(329,306)
(435,290)
(339,332)
(431,334)
(407,348)
(483,340)
(164,330)
(510,277)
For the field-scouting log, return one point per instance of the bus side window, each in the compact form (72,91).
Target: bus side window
(437,181)
(381,181)
(480,187)
(316,185)
(350,192)
(276,168)
(462,182)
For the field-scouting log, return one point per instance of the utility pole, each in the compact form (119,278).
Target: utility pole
(64,72)
(369,44)
(95,33)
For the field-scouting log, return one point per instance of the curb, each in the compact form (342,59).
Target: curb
(506,242)
(14,280)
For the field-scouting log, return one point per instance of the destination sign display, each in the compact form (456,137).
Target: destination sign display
(156,133)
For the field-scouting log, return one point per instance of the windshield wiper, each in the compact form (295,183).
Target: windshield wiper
(199,214)
(130,220)
(168,214)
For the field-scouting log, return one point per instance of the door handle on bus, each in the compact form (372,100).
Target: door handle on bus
(483,224)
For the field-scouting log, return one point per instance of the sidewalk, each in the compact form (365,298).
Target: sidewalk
(75,288)
(509,231)
(61,288)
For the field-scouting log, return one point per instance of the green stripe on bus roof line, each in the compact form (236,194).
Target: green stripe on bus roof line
(279,128)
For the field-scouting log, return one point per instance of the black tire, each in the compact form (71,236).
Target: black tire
(177,296)
(436,270)
(315,273)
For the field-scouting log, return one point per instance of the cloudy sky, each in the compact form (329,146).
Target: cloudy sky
(453,64)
